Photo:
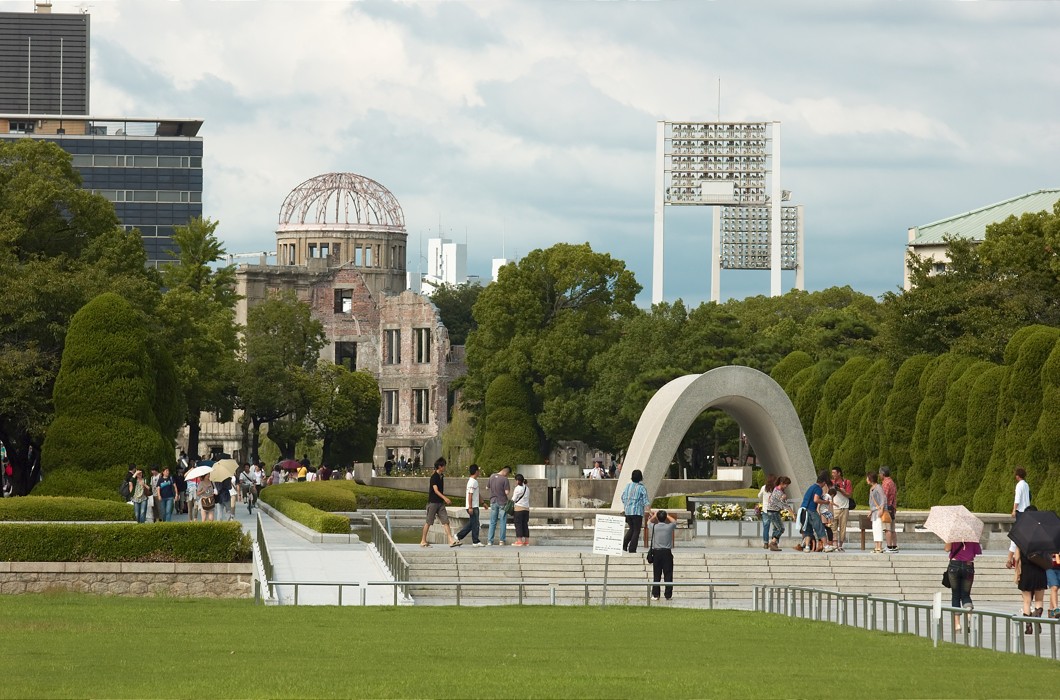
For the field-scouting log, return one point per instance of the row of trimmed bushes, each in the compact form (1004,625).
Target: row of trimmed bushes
(206,543)
(310,503)
(60,508)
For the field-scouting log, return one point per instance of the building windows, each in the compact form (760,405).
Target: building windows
(346,354)
(392,347)
(423,344)
(421,406)
(173,196)
(343,301)
(390,407)
(112,161)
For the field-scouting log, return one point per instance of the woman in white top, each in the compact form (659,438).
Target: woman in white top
(521,501)
(763,498)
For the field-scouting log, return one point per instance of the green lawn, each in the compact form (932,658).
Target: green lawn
(65,645)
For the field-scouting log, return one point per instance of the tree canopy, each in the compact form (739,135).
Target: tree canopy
(60,246)
(455,304)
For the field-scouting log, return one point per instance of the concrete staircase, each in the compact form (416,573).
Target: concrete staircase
(904,576)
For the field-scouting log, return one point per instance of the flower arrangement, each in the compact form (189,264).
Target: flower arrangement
(720,511)
(786,516)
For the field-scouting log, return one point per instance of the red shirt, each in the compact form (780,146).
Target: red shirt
(890,489)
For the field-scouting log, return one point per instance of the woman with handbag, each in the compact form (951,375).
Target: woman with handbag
(877,506)
(521,504)
(207,495)
(762,507)
(661,527)
(959,575)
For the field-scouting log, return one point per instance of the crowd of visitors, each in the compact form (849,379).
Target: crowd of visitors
(504,502)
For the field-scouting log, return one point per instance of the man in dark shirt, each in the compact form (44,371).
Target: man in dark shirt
(436,503)
(813,529)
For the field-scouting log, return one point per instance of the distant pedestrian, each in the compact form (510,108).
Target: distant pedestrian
(844,491)
(634,502)
(166,492)
(960,573)
(812,529)
(388,467)
(471,505)
(207,495)
(763,507)
(141,492)
(1031,580)
(890,521)
(877,507)
(521,501)
(778,502)
(499,490)
(660,540)
(1023,492)
(436,503)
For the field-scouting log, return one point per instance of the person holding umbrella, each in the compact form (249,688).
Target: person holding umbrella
(960,530)
(1036,535)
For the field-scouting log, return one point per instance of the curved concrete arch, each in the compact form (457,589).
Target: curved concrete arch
(753,399)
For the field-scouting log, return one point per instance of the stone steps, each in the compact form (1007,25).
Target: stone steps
(905,576)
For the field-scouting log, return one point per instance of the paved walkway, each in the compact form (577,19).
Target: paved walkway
(296,559)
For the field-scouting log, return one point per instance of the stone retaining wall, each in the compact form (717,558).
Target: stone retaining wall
(129,579)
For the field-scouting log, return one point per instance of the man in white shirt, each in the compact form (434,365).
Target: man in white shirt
(1022,502)
(471,503)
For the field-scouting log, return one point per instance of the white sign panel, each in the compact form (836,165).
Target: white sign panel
(610,529)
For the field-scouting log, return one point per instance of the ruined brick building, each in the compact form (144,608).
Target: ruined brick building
(340,246)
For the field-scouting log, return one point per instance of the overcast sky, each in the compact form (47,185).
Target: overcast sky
(534,122)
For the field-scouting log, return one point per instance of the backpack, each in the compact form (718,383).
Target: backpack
(126,490)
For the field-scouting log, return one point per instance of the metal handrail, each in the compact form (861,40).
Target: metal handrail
(552,586)
(891,615)
(266,560)
(395,562)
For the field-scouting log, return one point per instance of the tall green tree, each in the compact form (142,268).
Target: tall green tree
(455,304)
(344,412)
(281,344)
(60,246)
(198,315)
(542,322)
(113,401)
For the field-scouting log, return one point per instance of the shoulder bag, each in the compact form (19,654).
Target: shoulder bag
(651,550)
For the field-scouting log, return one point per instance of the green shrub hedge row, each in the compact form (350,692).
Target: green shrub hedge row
(60,508)
(103,484)
(327,496)
(376,498)
(311,517)
(208,543)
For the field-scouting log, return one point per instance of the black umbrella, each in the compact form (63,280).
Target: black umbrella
(1036,531)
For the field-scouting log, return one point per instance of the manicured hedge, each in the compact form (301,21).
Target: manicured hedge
(375,498)
(307,515)
(103,485)
(59,508)
(327,496)
(120,542)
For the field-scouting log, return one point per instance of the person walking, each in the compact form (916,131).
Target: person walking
(207,495)
(471,504)
(844,492)
(191,493)
(890,522)
(763,507)
(499,489)
(778,501)
(634,501)
(661,526)
(877,506)
(961,572)
(141,491)
(521,501)
(166,492)
(1031,580)
(436,503)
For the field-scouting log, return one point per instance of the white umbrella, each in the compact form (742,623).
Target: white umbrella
(196,472)
(954,524)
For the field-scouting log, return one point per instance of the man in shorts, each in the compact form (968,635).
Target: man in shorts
(436,503)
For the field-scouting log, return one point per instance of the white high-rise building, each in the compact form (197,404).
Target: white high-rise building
(446,264)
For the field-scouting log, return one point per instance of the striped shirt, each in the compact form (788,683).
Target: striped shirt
(635,498)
